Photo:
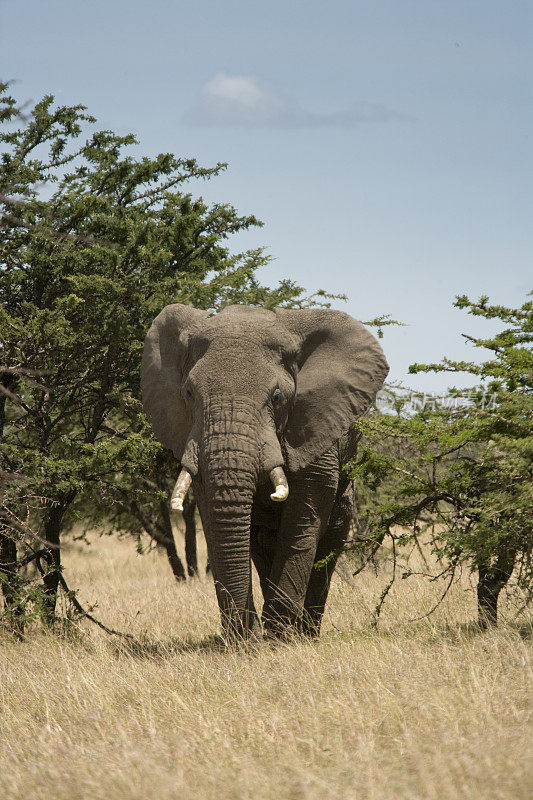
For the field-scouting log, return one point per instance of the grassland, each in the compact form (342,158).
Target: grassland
(426,709)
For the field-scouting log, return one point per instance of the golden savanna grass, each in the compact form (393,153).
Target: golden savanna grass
(427,709)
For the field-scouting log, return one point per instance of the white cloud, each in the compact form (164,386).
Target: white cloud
(238,89)
(243,100)
(236,100)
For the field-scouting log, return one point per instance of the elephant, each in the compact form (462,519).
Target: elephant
(250,400)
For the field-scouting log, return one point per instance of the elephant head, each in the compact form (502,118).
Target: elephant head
(243,395)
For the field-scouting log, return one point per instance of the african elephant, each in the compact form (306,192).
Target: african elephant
(249,396)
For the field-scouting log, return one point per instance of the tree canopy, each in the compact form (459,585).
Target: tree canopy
(94,241)
(466,465)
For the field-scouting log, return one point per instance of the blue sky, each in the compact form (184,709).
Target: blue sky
(386,145)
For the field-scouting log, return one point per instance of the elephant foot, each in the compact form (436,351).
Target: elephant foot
(248,638)
(308,626)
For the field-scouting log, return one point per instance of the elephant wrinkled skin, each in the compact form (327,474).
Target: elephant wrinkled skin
(237,394)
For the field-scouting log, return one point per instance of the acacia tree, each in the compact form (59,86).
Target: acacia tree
(94,241)
(467,464)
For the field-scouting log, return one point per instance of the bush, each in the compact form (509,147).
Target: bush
(466,465)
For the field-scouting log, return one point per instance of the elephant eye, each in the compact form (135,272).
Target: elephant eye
(276,397)
(187,393)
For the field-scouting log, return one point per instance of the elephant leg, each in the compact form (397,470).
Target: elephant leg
(253,622)
(191,557)
(304,522)
(326,557)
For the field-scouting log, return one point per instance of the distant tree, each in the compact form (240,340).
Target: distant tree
(467,465)
(94,241)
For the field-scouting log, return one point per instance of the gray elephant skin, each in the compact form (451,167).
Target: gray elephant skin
(238,394)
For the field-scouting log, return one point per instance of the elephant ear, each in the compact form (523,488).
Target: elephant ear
(341,368)
(162,374)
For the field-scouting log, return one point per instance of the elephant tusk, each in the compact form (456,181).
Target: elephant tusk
(279,481)
(180,490)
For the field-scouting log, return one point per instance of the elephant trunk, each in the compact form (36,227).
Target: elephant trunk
(228,544)
(229,465)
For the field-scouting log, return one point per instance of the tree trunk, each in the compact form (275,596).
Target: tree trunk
(191,554)
(168,542)
(52,531)
(10,579)
(9,568)
(491,580)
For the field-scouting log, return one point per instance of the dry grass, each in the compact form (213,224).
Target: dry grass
(415,710)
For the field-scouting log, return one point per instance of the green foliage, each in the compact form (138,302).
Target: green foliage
(465,466)
(94,241)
